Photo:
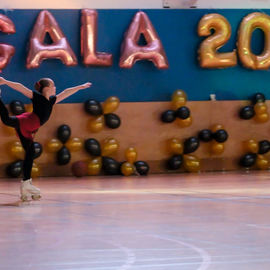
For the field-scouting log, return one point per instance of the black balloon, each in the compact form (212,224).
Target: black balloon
(205,135)
(14,169)
(112,120)
(110,166)
(36,149)
(175,162)
(264,147)
(63,156)
(142,167)
(93,107)
(258,97)
(182,112)
(248,160)
(63,133)
(168,116)
(191,145)
(220,135)
(92,146)
(246,112)
(17,107)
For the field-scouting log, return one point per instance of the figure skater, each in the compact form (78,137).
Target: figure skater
(27,124)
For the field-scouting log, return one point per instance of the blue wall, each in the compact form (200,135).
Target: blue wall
(177,30)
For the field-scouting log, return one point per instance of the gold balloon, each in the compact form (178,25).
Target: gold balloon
(251,146)
(261,118)
(35,171)
(260,108)
(175,146)
(217,148)
(262,163)
(110,105)
(109,147)
(53,145)
(96,124)
(94,166)
(208,55)
(184,122)
(74,144)
(192,163)
(9,130)
(16,150)
(179,98)
(127,169)
(131,155)
(216,127)
(29,107)
(248,25)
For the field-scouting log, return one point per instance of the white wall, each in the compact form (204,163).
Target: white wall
(136,4)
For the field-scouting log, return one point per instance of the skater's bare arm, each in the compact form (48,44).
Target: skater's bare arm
(18,87)
(70,91)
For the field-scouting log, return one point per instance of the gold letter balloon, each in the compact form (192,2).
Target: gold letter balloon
(208,55)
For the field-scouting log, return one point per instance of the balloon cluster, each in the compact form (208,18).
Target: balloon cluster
(255,154)
(16,151)
(217,135)
(103,114)
(181,155)
(101,153)
(63,144)
(131,166)
(179,113)
(258,108)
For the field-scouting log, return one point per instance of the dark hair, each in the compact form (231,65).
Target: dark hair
(42,83)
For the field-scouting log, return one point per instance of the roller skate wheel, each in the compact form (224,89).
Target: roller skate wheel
(24,198)
(36,197)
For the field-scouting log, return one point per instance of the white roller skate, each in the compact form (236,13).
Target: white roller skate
(29,191)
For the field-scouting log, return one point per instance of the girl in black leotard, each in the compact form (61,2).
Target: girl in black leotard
(27,124)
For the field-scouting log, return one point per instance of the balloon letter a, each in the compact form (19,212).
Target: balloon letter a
(153,50)
(59,48)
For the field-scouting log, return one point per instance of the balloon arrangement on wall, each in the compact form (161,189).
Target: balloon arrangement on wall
(179,112)
(102,160)
(255,154)
(258,108)
(16,151)
(63,144)
(217,135)
(131,166)
(181,154)
(101,153)
(103,115)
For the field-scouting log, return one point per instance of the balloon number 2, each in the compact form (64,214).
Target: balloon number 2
(209,57)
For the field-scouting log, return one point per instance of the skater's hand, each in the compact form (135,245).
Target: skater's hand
(85,85)
(2,81)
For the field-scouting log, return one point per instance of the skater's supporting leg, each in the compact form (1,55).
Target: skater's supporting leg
(28,146)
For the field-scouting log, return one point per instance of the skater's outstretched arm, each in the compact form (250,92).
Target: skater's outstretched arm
(70,91)
(18,87)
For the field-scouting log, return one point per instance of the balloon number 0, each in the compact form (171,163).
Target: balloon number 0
(210,58)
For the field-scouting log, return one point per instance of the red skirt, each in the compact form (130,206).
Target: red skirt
(29,124)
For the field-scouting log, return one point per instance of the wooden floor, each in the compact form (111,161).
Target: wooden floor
(207,221)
